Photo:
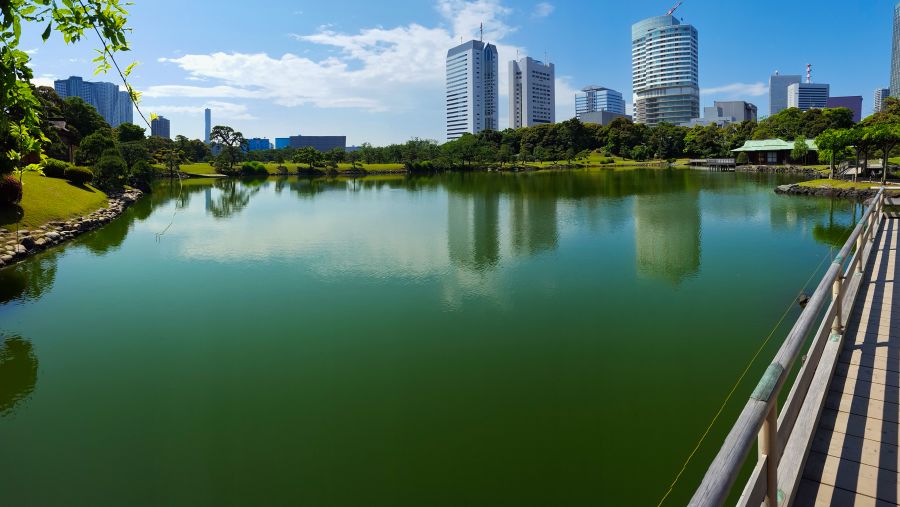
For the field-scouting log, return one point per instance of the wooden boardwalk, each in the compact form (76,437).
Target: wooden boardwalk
(853,458)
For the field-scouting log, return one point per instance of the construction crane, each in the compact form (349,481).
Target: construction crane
(673,9)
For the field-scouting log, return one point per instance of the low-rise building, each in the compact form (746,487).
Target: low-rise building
(258,144)
(853,103)
(598,98)
(776,151)
(725,112)
(321,143)
(602,117)
(282,142)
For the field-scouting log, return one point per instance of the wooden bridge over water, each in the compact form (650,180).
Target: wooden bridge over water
(834,442)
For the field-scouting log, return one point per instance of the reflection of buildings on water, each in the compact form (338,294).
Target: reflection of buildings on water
(667,235)
(533,224)
(473,229)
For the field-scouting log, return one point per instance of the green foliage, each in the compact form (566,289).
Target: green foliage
(10,190)
(133,152)
(93,146)
(83,117)
(254,168)
(800,150)
(742,158)
(129,132)
(232,144)
(112,171)
(309,156)
(79,175)
(142,175)
(53,168)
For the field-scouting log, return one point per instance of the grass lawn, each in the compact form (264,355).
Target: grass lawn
(48,199)
(826,183)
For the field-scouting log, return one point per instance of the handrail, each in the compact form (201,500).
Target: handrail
(759,418)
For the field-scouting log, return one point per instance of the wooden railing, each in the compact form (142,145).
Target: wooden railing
(784,441)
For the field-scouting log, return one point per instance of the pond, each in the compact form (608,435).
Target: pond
(548,338)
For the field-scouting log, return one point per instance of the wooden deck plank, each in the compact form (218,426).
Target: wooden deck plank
(855,454)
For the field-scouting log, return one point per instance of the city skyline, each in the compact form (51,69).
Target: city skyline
(355,84)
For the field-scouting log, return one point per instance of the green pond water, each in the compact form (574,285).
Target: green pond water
(552,338)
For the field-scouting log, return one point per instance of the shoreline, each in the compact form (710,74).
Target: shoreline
(857,194)
(17,246)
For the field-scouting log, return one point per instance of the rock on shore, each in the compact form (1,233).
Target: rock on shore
(840,193)
(17,246)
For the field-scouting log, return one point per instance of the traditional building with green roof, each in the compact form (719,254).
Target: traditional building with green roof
(776,151)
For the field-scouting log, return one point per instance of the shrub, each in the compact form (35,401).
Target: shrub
(112,172)
(142,175)
(53,168)
(742,158)
(79,175)
(282,169)
(10,190)
(253,168)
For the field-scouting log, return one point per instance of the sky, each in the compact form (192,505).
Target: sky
(374,71)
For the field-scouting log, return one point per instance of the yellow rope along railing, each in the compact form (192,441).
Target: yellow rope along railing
(741,379)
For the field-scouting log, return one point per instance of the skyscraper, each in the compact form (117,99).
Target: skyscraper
(532,93)
(778,91)
(895,55)
(159,127)
(111,103)
(808,96)
(880,95)
(598,98)
(207,126)
(473,93)
(665,71)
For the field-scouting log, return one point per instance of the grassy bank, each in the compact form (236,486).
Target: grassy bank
(272,167)
(840,184)
(48,199)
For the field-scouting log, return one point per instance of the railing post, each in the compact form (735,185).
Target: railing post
(860,245)
(837,326)
(767,442)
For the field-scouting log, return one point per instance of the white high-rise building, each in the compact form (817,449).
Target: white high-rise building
(473,93)
(532,93)
(880,95)
(665,75)
(808,96)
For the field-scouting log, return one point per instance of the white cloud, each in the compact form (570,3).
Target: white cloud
(542,10)
(376,69)
(224,110)
(565,99)
(30,52)
(737,90)
(44,80)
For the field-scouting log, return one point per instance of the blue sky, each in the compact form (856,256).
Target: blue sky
(374,70)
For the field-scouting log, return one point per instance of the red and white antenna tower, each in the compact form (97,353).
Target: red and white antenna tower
(673,9)
(808,73)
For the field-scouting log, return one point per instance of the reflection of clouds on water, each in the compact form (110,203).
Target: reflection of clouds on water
(18,373)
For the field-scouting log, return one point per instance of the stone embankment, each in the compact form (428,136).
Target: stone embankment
(840,193)
(15,246)
(779,169)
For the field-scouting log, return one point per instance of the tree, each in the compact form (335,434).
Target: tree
(82,116)
(93,146)
(19,107)
(800,151)
(887,137)
(231,142)
(134,152)
(128,132)
(111,170)
(307,155)
(831,144)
